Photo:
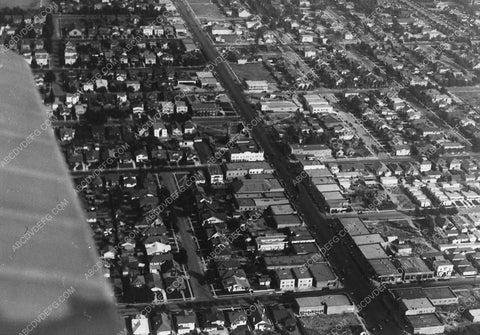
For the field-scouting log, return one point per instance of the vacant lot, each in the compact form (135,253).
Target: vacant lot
(469,97)
(345,324)
(254,71)
(205,9)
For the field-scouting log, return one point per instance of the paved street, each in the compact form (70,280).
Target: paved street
(376,313)
(195,270)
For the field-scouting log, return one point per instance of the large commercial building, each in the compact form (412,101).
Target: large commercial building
(414,268)
(327,304)
(323,276)
(413,301)
(440,296)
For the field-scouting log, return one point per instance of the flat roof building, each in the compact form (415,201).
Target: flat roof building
(440,296)
(385,270)
(337,304)
(426,324)
(355,226)
(368,239)
(322,275)
(286,221)
(303,279)
(309,306)
(414,268)
(285,279)
(287,262)
(373,251)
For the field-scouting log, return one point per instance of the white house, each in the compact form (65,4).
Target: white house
(72,98)
(156,247)
(41,57)
(140,325)
(185,323)
(70,54)
(160,130)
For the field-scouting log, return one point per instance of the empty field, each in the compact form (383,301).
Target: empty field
(254,71)
(205,9)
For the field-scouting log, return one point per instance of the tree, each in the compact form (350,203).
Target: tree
(181,256)
(50,77)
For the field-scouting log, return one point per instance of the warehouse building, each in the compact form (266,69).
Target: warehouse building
(426,324)
(440,296)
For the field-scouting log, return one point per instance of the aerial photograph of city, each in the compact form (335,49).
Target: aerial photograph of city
(237,167)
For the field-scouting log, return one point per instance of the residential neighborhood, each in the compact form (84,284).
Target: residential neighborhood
(305,167)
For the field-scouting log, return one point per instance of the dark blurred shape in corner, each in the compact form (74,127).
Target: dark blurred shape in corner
(46,244)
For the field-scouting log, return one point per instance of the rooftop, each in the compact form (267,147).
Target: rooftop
(355,226)
(424,320)
(373,251)
(444,292)
(368,239)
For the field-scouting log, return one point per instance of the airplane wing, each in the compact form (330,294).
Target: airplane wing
(46,245)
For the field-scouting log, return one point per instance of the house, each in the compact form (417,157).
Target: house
(141,155)
(140,325)
(163,326)
(152,30)
(167,107)
(100,82)
(243,13)
(42,57)
(236,319)
(189,127)
(121,96)
(67,134)
(70,54)
(401,150)
(154,245)
(443,268)
(181,107)
(425,165)
(474,315)
(259,318)
(234,280)
(185,323)
(216,174)
(72,99)
(307,38)
(75,33)
(160,130)
(284,318)
(135,85)
(213,320)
